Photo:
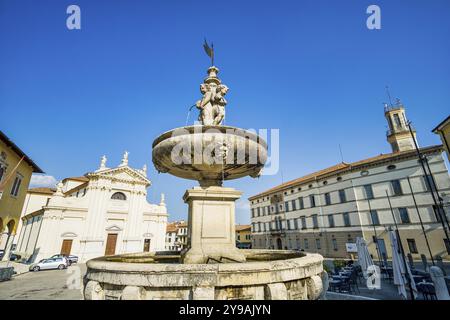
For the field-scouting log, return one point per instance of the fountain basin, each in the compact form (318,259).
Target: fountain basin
(196,153)
(267,274)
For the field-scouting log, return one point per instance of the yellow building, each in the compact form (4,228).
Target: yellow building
(243,236)
(16,169)
(443,130)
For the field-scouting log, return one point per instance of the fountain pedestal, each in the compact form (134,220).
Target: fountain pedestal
(212,225)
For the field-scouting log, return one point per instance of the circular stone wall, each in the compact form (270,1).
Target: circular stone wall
(267,275)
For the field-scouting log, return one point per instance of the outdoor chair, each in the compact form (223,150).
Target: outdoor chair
(427,289)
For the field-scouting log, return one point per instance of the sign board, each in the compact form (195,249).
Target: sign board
(351,247)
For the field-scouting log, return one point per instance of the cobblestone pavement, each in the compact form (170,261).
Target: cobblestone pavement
(45,285)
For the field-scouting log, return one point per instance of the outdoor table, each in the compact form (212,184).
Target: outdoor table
(333,284)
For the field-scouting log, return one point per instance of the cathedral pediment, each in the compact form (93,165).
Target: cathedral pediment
(122,174)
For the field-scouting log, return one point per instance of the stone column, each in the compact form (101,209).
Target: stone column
(211,224)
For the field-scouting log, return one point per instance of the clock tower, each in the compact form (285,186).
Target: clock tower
(399,136)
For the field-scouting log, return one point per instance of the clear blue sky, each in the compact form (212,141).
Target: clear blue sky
(310,68)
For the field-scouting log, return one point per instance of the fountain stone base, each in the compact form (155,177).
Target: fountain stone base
(267,275)
(211,225)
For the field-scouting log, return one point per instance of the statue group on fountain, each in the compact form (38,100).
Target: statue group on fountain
(212,105)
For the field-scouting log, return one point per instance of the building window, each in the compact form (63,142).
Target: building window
(288,224)
(412,245)
(306,244)
(331,220)
(286,206)
(342,196)
(374,217)
(396,186)
(334,244)
(16,185)
(397,120)
(318,246)
(315,221)
(304,223)
(312,200)
(295,224)
(429,183)
(368,190)
(2,171)
(293,205)
(437,213)
(327,199)
(346,216)
(301,203)
(118,196)
(391,167)
(339,178)
(253,212)
(404,216)
(447,245)
(259,211)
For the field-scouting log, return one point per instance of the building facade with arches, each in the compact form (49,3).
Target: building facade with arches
(16,169)
(105,212)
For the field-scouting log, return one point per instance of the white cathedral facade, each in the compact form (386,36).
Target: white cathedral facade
(102,213)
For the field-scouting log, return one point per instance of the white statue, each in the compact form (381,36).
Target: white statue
(59,188)
(103,163)
(219,104)
(212,105)
(144,169)
(162,202)
(125,159)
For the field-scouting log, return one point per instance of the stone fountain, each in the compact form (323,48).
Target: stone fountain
(211,267)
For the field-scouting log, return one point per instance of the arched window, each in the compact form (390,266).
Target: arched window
(119,196)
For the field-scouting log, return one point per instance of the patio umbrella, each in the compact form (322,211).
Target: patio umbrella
(398,268)
(364,258)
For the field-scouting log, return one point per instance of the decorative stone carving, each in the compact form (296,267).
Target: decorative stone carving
(124,159)
(275,291)
(93,291)
(133,293)
(315,287)
(212,105)
(102,163)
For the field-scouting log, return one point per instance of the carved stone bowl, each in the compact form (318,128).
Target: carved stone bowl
(267,274)
(210,154)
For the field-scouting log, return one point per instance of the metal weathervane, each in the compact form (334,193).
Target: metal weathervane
(209,51)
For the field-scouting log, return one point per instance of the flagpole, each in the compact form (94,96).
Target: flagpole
(400,246)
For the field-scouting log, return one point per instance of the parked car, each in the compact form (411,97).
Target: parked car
(47,264)
(12,256)
(70,258)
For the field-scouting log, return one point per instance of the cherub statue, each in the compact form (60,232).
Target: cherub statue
(205,105)
(219,104)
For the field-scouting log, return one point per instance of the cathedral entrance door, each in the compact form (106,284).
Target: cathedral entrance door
(146,245)
(279,244)
(66,247)
(111,244)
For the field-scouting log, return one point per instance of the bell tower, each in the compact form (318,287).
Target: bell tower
(398,135)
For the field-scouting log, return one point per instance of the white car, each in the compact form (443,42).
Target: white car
(52,263)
